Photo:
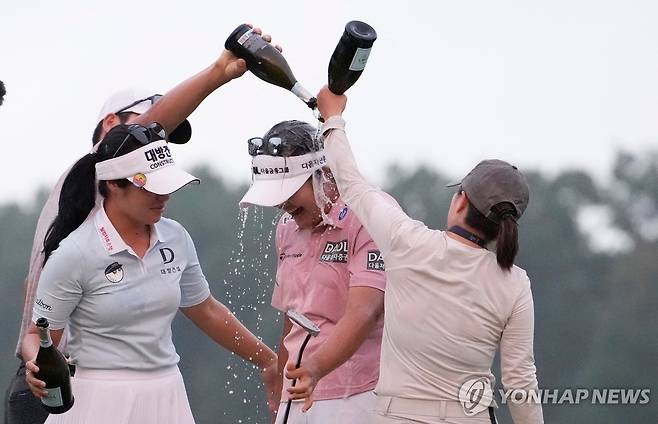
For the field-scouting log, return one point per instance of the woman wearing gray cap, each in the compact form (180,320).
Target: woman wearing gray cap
(450,303)
(115,274)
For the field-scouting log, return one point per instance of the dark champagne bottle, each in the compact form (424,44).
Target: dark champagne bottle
(350,56)
(266,62)
(54,371)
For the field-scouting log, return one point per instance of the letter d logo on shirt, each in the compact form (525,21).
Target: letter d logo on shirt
(167,255)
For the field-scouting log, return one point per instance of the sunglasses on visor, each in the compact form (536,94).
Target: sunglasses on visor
(272,146)
(144,135)
(154,98)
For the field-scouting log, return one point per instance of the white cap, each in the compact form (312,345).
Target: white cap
(151,167)
(123,98)
(139,100)
(277,178)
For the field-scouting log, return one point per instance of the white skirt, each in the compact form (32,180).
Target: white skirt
(127,397)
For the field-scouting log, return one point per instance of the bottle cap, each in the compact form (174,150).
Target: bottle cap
(363,34)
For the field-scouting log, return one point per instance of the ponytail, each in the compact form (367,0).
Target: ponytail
(76,200)
(507,244)
(504,230)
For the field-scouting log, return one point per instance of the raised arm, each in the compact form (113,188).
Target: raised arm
(390,228)
(175,106)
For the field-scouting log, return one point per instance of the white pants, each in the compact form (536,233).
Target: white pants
(394,410)
(356,409)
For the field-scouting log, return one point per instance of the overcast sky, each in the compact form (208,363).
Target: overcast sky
(548,85)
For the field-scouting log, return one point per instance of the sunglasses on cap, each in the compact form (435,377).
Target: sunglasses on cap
(154,98)
(144,135)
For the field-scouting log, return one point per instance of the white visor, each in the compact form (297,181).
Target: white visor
(276,178)
(151,167)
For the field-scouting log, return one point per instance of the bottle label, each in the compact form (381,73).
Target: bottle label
(360,59)
(53,398)
(244,37)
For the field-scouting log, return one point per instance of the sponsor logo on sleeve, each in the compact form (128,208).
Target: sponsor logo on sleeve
(375,261)
(342,214)
(43,305)
(114,272)
(335,251)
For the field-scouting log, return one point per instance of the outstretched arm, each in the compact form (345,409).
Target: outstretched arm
(214,319)
(175,106)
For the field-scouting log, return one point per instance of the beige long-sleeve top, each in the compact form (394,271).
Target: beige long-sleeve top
(448,306)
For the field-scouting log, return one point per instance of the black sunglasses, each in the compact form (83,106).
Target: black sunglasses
(144,135)
(272,146)
(154,98)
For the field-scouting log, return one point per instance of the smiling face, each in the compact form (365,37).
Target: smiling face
(302,207)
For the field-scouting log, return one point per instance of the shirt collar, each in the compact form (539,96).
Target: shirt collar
(110,238)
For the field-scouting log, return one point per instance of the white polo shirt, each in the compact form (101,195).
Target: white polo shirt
(119,307)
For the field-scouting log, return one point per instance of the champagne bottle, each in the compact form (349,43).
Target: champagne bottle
(266,62)
(54,371)
(350,56)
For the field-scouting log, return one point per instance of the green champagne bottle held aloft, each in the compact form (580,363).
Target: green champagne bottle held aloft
(54,371)
(350,56)
(266,62)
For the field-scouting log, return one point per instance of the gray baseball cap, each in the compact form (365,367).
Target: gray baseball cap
(495,181)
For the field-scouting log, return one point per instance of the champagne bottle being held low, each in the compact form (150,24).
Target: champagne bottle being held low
(54,371)
(350,56)
(266,62)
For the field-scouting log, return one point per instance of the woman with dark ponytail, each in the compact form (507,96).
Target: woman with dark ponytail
(450,302)
(116,273)
(77,199)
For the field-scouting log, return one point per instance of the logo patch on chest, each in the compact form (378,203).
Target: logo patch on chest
(335,251)
(114,272)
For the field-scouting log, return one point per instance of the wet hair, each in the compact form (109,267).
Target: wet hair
(297,138)
(78,195)
(502,227)
(3,91)
(123,118)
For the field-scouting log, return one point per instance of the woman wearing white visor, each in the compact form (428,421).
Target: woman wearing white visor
(450,302)
(328,269)
(117,272)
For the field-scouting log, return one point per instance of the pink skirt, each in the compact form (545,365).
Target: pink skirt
(127,397)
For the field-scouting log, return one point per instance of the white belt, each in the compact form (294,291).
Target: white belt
(433,408)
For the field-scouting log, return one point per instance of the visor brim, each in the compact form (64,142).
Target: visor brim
(168,180)
(273,192)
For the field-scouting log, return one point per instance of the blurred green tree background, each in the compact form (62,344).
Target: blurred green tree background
(591,250)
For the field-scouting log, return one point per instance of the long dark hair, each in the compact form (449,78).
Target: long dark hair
(78,195)
(504,230)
